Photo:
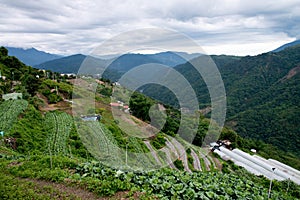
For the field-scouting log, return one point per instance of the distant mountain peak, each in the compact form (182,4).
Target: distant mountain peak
(290,44)
(31,56)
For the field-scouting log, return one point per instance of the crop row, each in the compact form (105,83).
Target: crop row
(173,184)
(58,126)
(100,142)
(10,111)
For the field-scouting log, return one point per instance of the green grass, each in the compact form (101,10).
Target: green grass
(203,167)
(190,160)
(12,187)
(9,112)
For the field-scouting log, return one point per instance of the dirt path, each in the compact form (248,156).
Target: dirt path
(196,162)
(168,157)
(172,148)
(62,105)
(71,192)
(61,191)
(218,164)
(206,161)
(133,126)
(153,152)
(212,160)
(182,153)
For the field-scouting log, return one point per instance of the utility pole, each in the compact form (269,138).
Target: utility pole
(12,82)
(288,185)
(126,156)
(270,187)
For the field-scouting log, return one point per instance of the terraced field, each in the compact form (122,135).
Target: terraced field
(10,111)
(176,149)
(58,126)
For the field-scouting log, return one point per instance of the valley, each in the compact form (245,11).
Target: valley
(101,160)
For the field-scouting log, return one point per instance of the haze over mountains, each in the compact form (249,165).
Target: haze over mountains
(71,64)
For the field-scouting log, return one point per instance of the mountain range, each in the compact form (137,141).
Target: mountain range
(72,63)
(115,67)
(31,56)
(262,91)
(263,95)
(41,59)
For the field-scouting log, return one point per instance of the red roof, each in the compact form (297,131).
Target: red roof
(100,82)
(114,104)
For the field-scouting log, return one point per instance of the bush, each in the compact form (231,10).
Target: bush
(159,141)
(54,98)
(179,164)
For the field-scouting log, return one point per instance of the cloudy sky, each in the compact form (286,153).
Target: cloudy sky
(236,27)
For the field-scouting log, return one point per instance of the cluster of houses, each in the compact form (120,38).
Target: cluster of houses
(121,105)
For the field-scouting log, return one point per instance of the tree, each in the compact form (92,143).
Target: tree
(31,83)
(3,51)
(140,105)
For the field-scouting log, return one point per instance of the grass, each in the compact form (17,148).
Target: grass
(17,188)
(190,160)
(203,167)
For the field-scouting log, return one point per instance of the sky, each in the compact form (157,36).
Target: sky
(232,27)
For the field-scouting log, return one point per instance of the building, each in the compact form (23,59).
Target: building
(91,118)
(12,96)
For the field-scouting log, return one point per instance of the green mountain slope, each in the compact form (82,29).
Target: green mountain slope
(69,64)
(262,95)
(296,42)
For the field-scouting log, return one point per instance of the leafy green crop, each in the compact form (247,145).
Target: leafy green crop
(58,126)
(9,112)
(172,184)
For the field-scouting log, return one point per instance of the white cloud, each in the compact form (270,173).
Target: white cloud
(223,26)
(252,48)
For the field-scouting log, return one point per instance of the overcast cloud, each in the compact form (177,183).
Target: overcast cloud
(237,27)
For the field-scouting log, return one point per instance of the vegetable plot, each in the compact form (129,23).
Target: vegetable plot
(58,126)
(9,113)
(100,143)
(173,184)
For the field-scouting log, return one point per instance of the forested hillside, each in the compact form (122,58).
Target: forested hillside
(262,95)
